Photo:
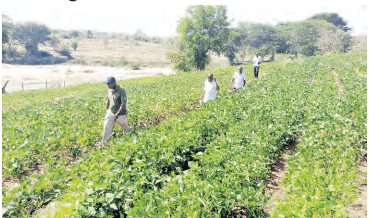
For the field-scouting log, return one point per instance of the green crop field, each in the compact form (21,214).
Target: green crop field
(187,160)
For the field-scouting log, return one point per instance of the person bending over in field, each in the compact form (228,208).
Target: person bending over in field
(257,61)
(239,79)
(211,86)
(115,109)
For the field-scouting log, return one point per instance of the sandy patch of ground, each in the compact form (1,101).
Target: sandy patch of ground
(36,76)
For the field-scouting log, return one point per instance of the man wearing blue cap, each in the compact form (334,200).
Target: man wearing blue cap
(115,109)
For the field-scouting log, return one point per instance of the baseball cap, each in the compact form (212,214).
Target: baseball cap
(110,79)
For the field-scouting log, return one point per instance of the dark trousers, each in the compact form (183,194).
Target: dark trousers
(256,71)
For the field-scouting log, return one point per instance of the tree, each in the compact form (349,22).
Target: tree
(263,38)
(89,34)
(203,29)
(235,43)
(7,26)
(333,40)
(54,41)
(31,34)
(74,45)
(300,37)
(141,36)
(74,34)
(334,19)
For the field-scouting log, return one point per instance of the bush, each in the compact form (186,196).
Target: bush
(65,51)
(74,45)
(74,34)
(105,63)
(89,34)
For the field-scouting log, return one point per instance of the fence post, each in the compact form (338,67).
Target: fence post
(22,86)
(46,83)
(64,83)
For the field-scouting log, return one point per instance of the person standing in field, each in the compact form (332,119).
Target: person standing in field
(239,79)
(116,110)
(257,61)
(211,86)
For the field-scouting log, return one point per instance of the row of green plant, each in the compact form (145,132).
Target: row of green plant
(161,153)
(58,128)
(60,161)
(321,178)
(200,164)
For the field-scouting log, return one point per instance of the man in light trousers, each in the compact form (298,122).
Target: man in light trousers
(115,109)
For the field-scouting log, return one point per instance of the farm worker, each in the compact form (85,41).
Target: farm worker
(257,61)
(115,109)
(239,79)
(211,86)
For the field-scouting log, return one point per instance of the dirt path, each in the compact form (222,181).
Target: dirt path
(337,82)
(277,175)
(359,207)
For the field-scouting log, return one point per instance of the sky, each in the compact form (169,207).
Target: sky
(161,19)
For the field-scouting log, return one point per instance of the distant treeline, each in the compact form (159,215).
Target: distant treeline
(205,29)
(32,34)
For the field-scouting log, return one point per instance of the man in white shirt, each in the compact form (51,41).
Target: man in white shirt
(211,86)
(239,79)
(257,61)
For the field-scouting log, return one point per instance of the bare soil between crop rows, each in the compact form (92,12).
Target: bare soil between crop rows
(337,82)
(278,174)
(359,207)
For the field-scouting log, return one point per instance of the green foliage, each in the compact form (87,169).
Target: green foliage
(7,26)
(54,41)
(65,51)
(74,34)
(31,34)
(263,38)
(321,175)
(236,40)
(89,34)
(204,29)
(301,37)
(141,36)
(198,164)
(334,19)
(74,45)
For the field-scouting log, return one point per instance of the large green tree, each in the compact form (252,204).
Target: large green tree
(301,37)
(7,25)
(31,34)
(204,28)
(262,37)
(235,43)
(334,19)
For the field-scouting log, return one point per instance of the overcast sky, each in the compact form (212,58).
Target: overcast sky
(161,18)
